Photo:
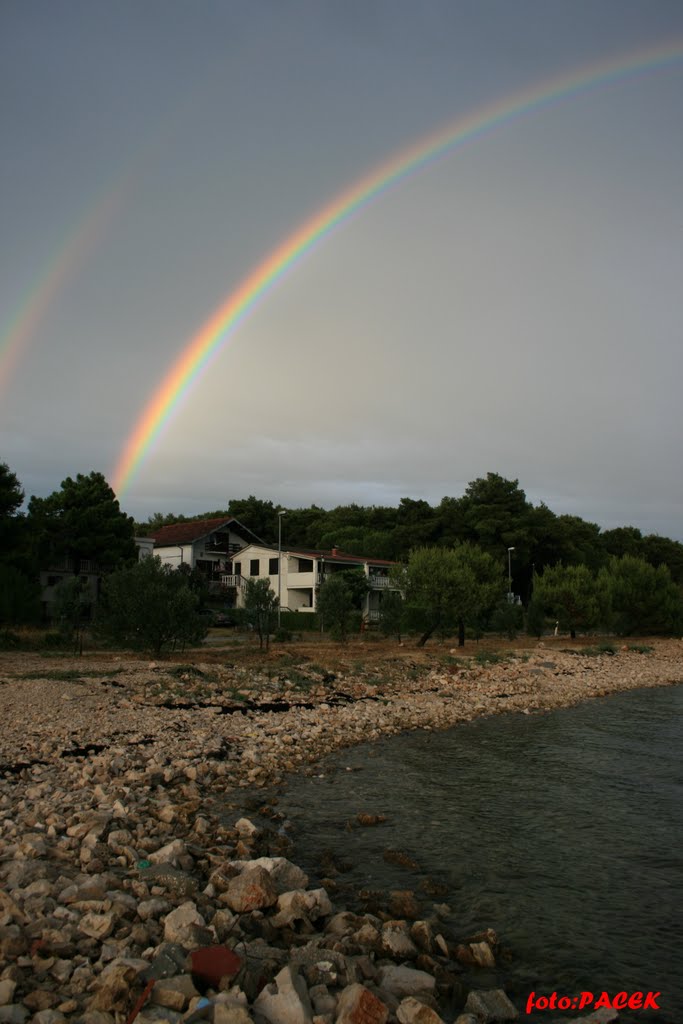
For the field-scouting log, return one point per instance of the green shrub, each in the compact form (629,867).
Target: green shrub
(282,636)
(300,622)
(9,641)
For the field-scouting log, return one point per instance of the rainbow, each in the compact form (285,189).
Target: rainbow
(79,239)
(207,342)
(70,255)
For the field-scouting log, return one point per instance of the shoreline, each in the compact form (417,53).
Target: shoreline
(109,763)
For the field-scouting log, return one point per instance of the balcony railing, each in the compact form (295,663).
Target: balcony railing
(379,582)
(232,580)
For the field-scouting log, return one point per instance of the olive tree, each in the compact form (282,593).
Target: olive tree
(447,587)
(149,605)
(260,608)
(573,595)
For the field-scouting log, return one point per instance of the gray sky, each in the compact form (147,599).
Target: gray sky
(515,306)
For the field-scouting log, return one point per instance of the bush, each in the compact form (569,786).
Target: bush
(149,606)
(9,641)
(300,622)
(282,636)
(508,619)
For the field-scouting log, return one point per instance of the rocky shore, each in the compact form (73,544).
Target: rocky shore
(123,889)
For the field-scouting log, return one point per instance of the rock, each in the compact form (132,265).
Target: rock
(169,854)
(186,926)
(113,988)
(301,905)
(176,881)
(370,819)
(357,1005)
(402,903)
(466,1018)
(342,923)
(7,989)
(422,935)
(412,1011)
(483,957)
(246,828)
(251,890)
(225,1013)
(284,875)
(13,942)
(48,1017)
(404,981)
(396,940)
(13,1014)
(40,999)
(153,908)
(97,926)
(490,1005)
(285,1000)
(322,999)
(174,993)
(151,1014)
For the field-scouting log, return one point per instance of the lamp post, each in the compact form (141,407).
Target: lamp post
(510,595)
(280,514)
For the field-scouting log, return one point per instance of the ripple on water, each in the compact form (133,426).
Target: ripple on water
(562,831)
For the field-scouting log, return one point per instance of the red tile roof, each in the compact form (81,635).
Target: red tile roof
(186,533)
(339,556)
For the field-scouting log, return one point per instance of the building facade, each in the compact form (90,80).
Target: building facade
(302,573)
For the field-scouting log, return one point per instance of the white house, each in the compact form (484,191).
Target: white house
(205,544)
(301,574)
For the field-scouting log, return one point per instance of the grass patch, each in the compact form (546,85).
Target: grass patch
(490,658)
(603,648)
(181,672)
(71,675)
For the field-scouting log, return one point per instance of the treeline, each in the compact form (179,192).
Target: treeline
(493,513)
(80,523)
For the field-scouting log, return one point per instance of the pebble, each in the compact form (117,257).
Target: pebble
(113,868)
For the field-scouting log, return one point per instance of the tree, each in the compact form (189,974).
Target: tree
(72,608)
(392,614)
(663,551)
(335,605)
(83,521)
(447,587)
(573,595)
(644,599)
(149,605)
(258,515)
(13,546)
(11,493)
(507,618)
(260,606)
(19,597)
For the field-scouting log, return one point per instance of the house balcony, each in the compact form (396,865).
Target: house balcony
(297,580)
(232,581)
(380,582)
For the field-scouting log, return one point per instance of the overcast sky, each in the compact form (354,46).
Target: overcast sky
(515,306)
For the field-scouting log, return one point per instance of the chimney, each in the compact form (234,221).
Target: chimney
(334,552)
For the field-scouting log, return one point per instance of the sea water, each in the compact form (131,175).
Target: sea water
(560,830)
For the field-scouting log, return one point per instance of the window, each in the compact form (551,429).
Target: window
(272,566)
(254,567)
(305,565)
(238,568)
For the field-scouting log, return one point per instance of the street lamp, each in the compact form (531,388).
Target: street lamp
(280,514)
(510,550)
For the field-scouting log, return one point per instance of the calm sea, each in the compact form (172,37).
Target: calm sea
(562,831)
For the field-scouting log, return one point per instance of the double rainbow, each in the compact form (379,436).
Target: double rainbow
(206,344)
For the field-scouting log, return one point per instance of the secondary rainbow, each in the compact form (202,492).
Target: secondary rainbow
(203,346)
